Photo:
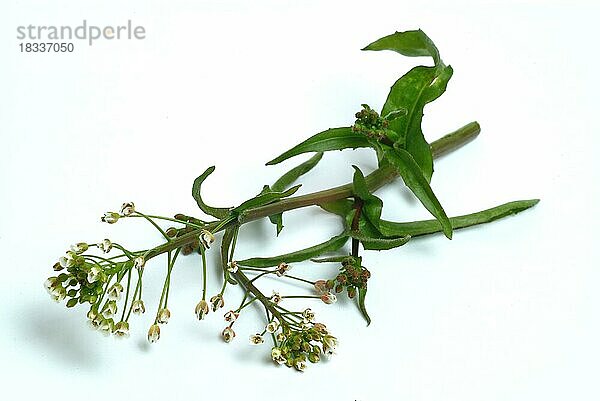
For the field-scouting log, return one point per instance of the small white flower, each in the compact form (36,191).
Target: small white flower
(68,260)
(280,337)
(275,298)
(110,309)
(110,217)
(105,246)
(207,238)
(228,334)
(308,315)
(95,322)
(58,293)
(231,316)
(217,302)
(114,293)
(282,268)
(202,310)
(232,267)
(127,209)
(154,333)
(329,298)
(106,327)
(272,326)
(121,330)
(138,307)
(330,344)
(79,247)
(163,316)
(275,353)
(300,365)
(50,283)
(139,262)
(256,339)
(94,274)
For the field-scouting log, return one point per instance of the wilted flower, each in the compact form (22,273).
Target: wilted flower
(139,262)
(256,339)
(110,217)
(153,333)
(321,287)
(121,330)
(217,302)
(308,315)
(232,266)
(94,274)
(127,209)
(202,310)
(105,246)
(231,316)
(114,292)
(138,307)
(328,298)
(228,334)
(107,326)
(272,326)
(207,238)
(79,247)
(275,298)
(282,268)
(163,316)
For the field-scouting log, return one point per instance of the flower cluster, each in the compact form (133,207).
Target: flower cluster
(372,125)
(352,277)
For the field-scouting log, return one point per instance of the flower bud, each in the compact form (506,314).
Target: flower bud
(105,246)
(153,333)
(228,334)
(79,247)
(57,267)
(314,357)
(171,232)
(121,330)
(321,286)
(328,298)
(110,217)
(127,209)
(201,310)
(256,339)
(138,307)
(231,316)
(207,238)
(163,316)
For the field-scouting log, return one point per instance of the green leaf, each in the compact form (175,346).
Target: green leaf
(413,91)
(332,259)
(413,177)
(264,198)
(332,139)
(218,212)
(291,176)
(288,179)
(408,43)
(330,245)
(426,227)
(379,244)
(362,294)
(372,205)
(341,207)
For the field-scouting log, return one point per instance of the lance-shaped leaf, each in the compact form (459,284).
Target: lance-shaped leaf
(408,43)
(264,198)
(362,294)
(417,228)
(332,139)
(330,245)
(218,212)
(379,244)
(288,179)
(413,91)
(413,177)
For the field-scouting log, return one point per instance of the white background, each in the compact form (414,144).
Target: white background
(507,311)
